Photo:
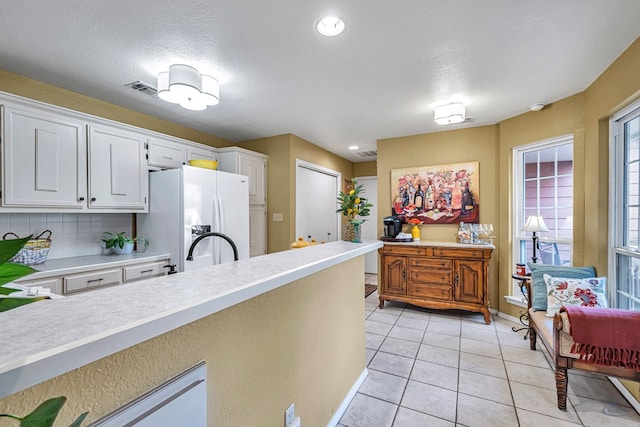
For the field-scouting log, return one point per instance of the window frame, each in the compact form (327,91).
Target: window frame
(518,170)
(617,192)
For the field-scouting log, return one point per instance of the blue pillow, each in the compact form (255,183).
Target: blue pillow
(539,286)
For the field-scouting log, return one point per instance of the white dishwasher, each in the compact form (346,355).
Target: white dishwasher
(181,401)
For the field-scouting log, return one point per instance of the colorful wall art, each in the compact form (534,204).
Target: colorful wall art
(446,194)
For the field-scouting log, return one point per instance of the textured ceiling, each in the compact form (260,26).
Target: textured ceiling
(379,79)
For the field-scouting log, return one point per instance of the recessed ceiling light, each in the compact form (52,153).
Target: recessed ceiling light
(330,26)
(353,147)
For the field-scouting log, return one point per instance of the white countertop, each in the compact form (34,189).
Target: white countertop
(48,338)
(81,264)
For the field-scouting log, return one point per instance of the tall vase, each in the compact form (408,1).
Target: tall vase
(415,233)
(357,223)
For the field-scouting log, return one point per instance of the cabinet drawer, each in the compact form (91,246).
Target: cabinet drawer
(425,275)
(404,250)
(84,281)
(54,284)
(439,292)
(144,271)
(442,264)
(459,253)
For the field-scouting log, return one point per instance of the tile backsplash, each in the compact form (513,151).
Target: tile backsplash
(71,234)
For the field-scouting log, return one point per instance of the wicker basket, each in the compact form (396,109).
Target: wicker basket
(35,251)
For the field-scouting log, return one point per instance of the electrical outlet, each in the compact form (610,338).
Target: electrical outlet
(277,217)
(289,415)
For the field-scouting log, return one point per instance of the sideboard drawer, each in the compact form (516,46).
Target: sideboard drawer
(460,253)
(443,264)
(424,275)
(437,292)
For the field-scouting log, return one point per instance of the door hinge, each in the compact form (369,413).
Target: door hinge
(146,146)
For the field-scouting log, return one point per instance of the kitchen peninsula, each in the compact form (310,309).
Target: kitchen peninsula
(274,329)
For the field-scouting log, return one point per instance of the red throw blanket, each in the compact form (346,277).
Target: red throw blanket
(605,336)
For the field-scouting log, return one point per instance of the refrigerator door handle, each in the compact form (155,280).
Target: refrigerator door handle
(217,224)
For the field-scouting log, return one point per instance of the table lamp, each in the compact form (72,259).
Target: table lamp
(535,224)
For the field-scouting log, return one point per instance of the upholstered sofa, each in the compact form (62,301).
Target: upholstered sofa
(555,334)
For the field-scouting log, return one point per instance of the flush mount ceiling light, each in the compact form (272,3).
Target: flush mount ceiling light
(353,147)
(330,26)
(449,113)
(536,107)
(185,85)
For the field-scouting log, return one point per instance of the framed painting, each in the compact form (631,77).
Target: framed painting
(446,194)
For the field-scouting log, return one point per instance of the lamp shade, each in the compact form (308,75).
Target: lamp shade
(535,223)
(449,113)
(184,85)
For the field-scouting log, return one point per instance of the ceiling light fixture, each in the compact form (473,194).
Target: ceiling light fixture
(536,107)
(185,85)
(353,147)
(330,26)
(449,113)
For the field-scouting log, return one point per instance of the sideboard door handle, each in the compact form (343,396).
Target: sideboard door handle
(457,279)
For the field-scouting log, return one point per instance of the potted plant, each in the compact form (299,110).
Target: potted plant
(352,204)
(121,243)
(46,414)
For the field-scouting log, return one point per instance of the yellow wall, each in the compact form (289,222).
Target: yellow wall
(286,346)
(560,118)
(33,89)
(478,144)
(283,151)
(365,169)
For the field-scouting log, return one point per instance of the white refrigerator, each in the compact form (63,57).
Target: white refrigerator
(187,202)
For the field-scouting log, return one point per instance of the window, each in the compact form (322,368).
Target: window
(624,260)
(543,186)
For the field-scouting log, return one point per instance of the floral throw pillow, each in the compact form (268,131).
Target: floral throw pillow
(561,291)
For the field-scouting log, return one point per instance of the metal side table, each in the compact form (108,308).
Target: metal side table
(524,316)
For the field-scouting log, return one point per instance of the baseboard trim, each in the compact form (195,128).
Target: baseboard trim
(345,403)
(627,395)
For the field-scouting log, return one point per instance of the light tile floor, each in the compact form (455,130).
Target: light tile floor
(447,368)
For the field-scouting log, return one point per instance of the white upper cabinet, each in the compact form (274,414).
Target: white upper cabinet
(165,154)
(43,160)
(118,177)
(249,163)
(201,153)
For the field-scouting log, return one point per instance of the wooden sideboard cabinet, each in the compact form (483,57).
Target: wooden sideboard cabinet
(439,277)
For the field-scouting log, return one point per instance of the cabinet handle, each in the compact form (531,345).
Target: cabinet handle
(474,253)
(404,275)
(457,279)
(95,280)
(146,271)
(93,199)
(81,199)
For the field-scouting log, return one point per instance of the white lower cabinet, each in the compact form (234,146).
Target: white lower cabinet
(144,271)
(64,284)
(54,284)
(83,281)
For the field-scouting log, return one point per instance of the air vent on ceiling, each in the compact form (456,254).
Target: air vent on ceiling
(366,154)
(142,87)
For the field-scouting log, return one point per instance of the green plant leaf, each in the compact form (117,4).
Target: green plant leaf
(45,414)
(10,271)
(9,303)
(10,247)
(79,420)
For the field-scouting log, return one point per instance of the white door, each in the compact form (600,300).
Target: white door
(370,226)
(316,192)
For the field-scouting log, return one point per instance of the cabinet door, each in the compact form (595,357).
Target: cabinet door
(257,231)
(44,160)
(200,153)
(118,178)
(469,281)
(394,276)
(254,168)
(165,154)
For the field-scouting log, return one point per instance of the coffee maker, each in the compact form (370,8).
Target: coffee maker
(392,226)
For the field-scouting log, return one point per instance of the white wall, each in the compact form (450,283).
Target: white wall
(72,234)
